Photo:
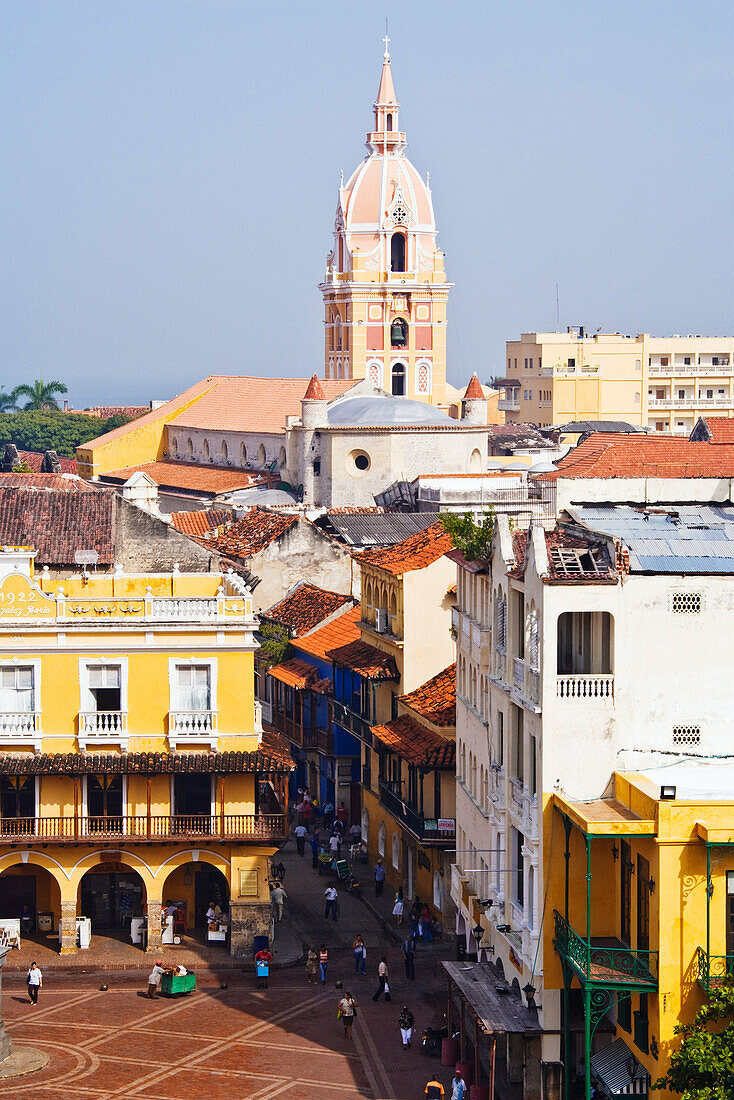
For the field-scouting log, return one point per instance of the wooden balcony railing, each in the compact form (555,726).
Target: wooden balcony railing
(143,827)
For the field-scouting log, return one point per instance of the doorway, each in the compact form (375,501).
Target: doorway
(192,803)
(104,803)
(110,898)
(209,885)
(730,919)
(643,904)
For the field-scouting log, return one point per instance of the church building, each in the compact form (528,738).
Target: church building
(385,290)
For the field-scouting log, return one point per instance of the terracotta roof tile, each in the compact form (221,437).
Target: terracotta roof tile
(272,756)
(416,552)
(253,533)
(199,523)
(247,404)
(721,428)
(606,455)
(339,632)
(35,458)
(366,660)
(436,699)
(474,389)
(305,608)
(57,522)
(62,483)
(194,477)
(416,743)
(315,391)
(295,673)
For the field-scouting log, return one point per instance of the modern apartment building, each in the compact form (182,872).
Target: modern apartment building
(660,383)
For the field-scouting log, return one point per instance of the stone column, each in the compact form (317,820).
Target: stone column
(247,919)
(155,932)
(6,1043)
(68,928)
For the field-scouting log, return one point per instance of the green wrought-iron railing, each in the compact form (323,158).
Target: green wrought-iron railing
(712,969)
(613,966)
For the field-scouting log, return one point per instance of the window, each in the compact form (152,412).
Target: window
(397,252)
(243,454)
(500,738)
(571,362)
(399,333)
(389,124)
(395,852)
(518,762)
(361,461)
(174,447)
(189,448)
(16,690)
(518,866)
(224,452)
(687,363)
(381,838)
(398,380)
(437,892)
(281,458)
(686,603)
(681,394)
(193,688)
(105,687)
(206,450)
(664,360)
(686,735)
(17,797)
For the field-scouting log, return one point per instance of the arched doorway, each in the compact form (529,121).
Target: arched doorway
(191,887)
(27,890)
(111,894)
(397,252)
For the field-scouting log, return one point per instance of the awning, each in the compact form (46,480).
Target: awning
(618,1072)
(294,673)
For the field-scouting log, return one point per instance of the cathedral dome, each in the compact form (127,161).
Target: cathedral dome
(381,411)
(386,190)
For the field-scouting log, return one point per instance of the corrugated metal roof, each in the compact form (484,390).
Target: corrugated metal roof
(380,528)
(611,1066)
(678,538)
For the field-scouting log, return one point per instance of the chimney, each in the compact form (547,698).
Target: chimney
(50,463)
(10,458)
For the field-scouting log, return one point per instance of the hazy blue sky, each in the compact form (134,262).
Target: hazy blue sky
(170,175)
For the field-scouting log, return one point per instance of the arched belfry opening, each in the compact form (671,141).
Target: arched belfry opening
(397,252)
(399,333)
(398,380)
(389,124)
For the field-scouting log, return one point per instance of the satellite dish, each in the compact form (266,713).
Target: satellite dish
(86,557)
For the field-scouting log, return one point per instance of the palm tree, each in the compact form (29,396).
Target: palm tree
(40,395)
(7,401)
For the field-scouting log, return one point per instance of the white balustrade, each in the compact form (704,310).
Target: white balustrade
(192,722)
(19,723)
(585,687)
(518,673)
(167,610)
(103,722)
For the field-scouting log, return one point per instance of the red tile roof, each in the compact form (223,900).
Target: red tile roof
(315,391)
(35,458)
(436,699)
(305,608)
(253,533)
(272,756)
(189,475)
(606,455)
(242,404)
(295,673)
(339,632)
(366,660)
(474,389)
(416,743)
(199,523)
(60,483)
(721,428)
(416,552)
(56,521)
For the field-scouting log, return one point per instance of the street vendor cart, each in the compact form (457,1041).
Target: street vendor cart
(172,985)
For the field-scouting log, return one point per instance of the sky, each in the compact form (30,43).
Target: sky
(170,170)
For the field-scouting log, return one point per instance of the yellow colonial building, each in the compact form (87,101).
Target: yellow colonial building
(133,766)
(639,917)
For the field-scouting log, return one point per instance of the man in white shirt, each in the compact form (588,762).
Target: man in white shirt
(331,895)
(35,981)
(300,832)
(154,980)
(277,898)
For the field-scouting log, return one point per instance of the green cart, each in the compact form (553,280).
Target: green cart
(173,984)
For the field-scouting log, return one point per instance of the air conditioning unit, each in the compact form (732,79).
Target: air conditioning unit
(381,620)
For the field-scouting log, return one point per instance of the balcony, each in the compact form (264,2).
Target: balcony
(350,721)
(532,685)
(425,829)
(518,673)
(605,961)
(143,828)
(499,665)
(712,969)
(192,723)
(585,687)
(15,724)
(480,637)
(509,404)
(102,723)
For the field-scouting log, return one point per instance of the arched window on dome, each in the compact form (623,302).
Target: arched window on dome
(389,124)
(399,333)
(397,252)
(398,380)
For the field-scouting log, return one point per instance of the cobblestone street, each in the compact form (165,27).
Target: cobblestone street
(239,1042)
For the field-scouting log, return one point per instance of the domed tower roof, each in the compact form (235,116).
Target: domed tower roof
(315,391)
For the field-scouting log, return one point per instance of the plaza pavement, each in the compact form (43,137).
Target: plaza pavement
(238,1042)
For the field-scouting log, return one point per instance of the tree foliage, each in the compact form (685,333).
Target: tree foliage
(473,539)
(41,395)
(51,430)
(703,1067)
(274,643)
(7,401)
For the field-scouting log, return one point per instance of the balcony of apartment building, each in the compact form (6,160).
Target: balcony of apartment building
(509,388)
(690,363)
(293,711)
(712,969)
(416,780)
(584,657)
(471,637)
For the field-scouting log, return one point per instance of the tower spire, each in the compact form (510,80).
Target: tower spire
(386,134)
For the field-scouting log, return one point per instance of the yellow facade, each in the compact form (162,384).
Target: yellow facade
(661,918)
(130,739)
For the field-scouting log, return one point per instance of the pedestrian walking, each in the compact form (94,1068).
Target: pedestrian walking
(383,985)
(323,963)
(397,909)
(315,845)
(408,949)
(154,979)
(434,1089)
(312,965)
(379,878)
(300,832)
(347,1010)
(342,814)
(405,1023)
(277,898)
(332,900)
(360,956)
(35,981)
(459,1091)
(424,924)
(335,842)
